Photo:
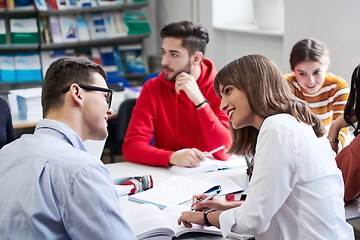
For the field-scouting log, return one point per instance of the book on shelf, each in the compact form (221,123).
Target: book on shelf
(132,59)
(95,55)
(71,4)
(87,3)
(25,4)
(68,28)
(118,61)
(137,22)
(108,60)
(83,53)
(178,190)
(24,31)
(148,221)
(82,28)
(44,26)
(7,68)
(52,4)
(2,31)
(10,4)
(211,164)
(114,24)
(3,4)
(27,67)
(41,5)
(96,26)
(55,29)
(61,4)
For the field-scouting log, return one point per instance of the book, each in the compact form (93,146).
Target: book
(179,190)
(2,31)
(211,164)
(52,4)
(27,67)
(45,29)
(132,59)
(41,5)
(137,23)
(95,55)
(108,60)
(68,28)
(29,103)
(96,25)
(148,221)
(10,4)
(24,4)
(82,28)
(61,4)
(55,29)
(3,4)
(7,68)
(24,31)
(71,4)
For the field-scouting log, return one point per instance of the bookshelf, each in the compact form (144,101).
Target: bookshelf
(42,46)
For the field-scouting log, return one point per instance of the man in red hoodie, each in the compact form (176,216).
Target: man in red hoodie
(179,108)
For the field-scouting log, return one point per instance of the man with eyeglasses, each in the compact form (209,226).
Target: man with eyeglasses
(51,187)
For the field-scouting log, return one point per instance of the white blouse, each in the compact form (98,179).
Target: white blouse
(296,191)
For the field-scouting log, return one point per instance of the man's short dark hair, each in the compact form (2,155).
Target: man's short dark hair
(62,73)
(194,36)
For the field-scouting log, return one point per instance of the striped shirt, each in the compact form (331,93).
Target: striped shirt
(328,103)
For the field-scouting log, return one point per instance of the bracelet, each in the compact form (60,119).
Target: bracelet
(200,104)
(335,140)
(206,220)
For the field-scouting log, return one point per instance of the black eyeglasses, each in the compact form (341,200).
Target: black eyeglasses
(108,97)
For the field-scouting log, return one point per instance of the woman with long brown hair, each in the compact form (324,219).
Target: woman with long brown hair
(296,190)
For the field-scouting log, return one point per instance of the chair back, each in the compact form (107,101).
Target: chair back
(123,119)
(150,76)
(118,79)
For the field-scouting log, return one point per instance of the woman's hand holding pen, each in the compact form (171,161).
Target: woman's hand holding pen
(220,205)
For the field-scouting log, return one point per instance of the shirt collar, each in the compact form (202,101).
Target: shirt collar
(62,131)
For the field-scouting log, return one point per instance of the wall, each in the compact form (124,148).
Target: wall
(223,46)
(333,22)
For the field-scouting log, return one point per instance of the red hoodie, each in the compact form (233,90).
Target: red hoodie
(174,121)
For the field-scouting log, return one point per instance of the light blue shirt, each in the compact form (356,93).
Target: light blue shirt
(52,188)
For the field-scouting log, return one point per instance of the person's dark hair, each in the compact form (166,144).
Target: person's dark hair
(62,73)
(268,94)
(194,36)
(308,49)
(353,104)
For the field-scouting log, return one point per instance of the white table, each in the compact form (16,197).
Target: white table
(160,174)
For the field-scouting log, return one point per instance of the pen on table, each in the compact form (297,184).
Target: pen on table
(215,150)
(214,188)
(211,196)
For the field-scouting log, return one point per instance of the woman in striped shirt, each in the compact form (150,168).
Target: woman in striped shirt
(325,93)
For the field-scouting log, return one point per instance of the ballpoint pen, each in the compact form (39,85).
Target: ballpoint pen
(214,188)
(211,196)
(215,150)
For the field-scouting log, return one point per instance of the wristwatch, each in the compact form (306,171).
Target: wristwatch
(206,220)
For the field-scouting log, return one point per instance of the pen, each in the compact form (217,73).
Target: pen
(214,188)
(212,195)
(215,150)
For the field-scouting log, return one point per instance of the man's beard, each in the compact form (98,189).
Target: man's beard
(186,69)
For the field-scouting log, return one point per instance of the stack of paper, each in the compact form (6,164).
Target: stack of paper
(29,103)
